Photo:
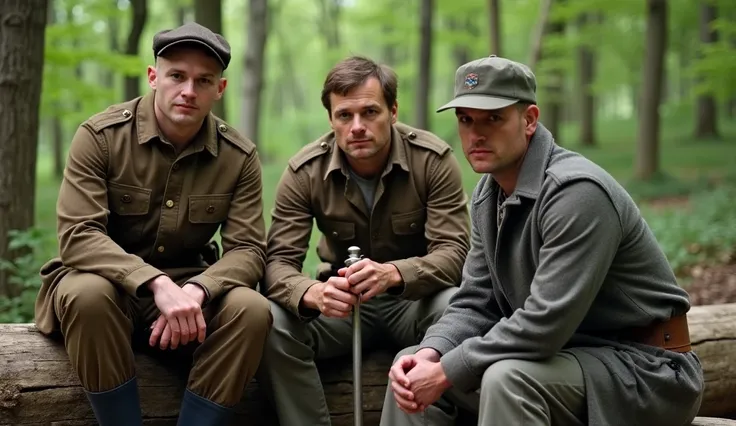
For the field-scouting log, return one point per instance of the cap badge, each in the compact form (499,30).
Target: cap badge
(471,80)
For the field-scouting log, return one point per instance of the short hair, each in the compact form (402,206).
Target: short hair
(353,72)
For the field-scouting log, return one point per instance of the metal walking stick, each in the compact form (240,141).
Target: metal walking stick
(353,257)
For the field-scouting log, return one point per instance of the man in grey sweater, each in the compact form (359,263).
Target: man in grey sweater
(568,313)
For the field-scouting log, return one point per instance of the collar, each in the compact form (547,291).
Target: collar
(534,167)
(148,129)
(397,155)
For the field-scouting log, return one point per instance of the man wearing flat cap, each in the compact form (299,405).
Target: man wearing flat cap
(147,184)
(568,312)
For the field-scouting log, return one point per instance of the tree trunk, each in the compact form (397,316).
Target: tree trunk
(495,27)
(140,16)
(55,123)
(330,23)
(38,385)
(706,117)
(555,89)
(22,39)
(647,159)
(586,74)
(113,32)
(208,13)
(57,135)
(257,33)
(425,64)
(536,50)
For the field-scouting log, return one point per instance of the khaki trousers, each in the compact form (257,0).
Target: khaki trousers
(512,392)
(288,371)
(98,322)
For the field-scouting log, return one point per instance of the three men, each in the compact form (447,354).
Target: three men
(395,192)
(569,312)
(147,184)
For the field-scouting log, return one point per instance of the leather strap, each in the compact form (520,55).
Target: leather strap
(672,334)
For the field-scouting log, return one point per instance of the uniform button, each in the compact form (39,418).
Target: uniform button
(126,198)
(127,113)
(413,225)
(323,145)
(169,203)
(175,166)
(160,249)
(334,233)
(223,128)
(210,209)
(412,135)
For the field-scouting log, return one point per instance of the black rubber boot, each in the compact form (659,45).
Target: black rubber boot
(117,407)
(198,411)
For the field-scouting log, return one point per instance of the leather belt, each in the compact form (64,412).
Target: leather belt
(672,334)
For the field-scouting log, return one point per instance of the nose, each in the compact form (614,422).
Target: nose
(187,89)
(357,126)
(475,137)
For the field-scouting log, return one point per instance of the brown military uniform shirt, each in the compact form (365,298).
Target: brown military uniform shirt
(131,208)
(419,221)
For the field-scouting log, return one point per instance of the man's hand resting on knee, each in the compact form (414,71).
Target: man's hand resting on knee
(418,380)
(181,319)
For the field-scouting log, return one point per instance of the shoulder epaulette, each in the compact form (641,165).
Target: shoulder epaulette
(234,137)
(422,138)
(321,146)
(112,115)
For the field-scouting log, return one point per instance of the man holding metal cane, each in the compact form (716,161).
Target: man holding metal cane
(391,190)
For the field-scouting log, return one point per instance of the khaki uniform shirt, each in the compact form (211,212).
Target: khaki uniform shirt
(131,208)
(419,221)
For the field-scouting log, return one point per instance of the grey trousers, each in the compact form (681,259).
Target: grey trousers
(512,392)
(288,371)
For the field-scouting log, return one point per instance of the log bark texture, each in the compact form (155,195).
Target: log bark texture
(38,386)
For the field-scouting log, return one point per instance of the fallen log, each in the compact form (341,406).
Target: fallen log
(38,386)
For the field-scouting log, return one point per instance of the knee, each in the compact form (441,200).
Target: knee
(247,307)
(500,377)
(406,351)
(86,295)
(285,327)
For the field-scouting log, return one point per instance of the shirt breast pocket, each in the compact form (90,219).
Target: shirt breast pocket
(206,214)
(408,229)
(129,206)
(410,223)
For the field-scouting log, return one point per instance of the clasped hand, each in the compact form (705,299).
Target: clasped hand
(418,381)
(181,320)
(364,279)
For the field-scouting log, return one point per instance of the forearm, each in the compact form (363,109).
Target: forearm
(242,267)
(287,286)
(92,251)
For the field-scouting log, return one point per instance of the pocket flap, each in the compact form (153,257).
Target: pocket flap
(128,200)
(338,230)
(209,208)
(408,223)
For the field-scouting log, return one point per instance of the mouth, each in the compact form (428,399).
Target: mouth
(186,107)
(479,151)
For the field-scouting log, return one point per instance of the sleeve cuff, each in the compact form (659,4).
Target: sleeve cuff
(438,343)
(133,282)
(211,287)
(458,372)
(295,300)
(410,276)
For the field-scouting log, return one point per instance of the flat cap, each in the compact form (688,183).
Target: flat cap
(195,33)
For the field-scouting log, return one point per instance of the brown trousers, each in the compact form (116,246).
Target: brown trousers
(98,321)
